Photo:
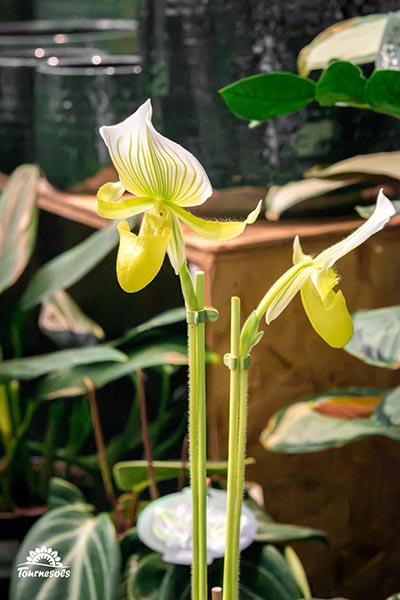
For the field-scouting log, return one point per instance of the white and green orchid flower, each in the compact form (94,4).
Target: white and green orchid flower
(316,279)
(164,179)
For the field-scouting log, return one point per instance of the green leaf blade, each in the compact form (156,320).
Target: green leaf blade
(18,223)
(268,95)
(36,366)
(341,83)
(382,92)
(87,547)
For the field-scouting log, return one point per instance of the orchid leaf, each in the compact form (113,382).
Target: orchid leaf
(69,267)
(35,366)
(356,40)
(332,420)
(341,83)
(18,223)
(261,97)
(70,382)
(376,338)
(382,92)
(87,548)
(65,324)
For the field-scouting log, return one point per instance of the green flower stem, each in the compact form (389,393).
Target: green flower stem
(194,301)
(231,562)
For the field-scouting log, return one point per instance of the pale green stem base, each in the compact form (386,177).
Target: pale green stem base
(194,300)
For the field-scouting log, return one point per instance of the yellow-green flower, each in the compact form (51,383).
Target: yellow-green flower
(164,179)
(316,279)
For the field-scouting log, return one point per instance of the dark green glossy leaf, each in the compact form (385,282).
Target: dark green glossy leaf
(36,366)
(69,383)
(63,493)
(69,267)
(261,97)
(376,338)
(87,548)
(65,324)
(341,82)
(18,223)
(382,92)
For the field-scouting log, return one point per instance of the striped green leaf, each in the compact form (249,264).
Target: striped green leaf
(85,545)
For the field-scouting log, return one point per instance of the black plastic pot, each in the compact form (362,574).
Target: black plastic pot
(16,99)
(72,101)
(89,9)
(113,36)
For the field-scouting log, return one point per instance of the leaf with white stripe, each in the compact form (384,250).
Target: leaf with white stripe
(85,545)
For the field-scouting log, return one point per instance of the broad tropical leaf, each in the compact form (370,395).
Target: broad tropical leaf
(18,223)
(333,420)
(341,82)
(63,493)
(376,338)
(133,474)
(70,382)
(65,324)
(35,366)
(86,547)
(357,40)
(268,95)
(381,163)
(69,267)
(169,317)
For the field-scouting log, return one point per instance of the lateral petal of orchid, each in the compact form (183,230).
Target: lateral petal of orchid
(176,246)
(298,254)
(383,211)
(111,209)
(111,191)
(215,230)
(151,165)
(140,257)
(286,287)
(330,319)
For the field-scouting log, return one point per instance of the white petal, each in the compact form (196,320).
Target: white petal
(151,165)
(384,209)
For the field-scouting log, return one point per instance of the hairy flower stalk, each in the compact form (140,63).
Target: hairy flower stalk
(315,279)
(164,180)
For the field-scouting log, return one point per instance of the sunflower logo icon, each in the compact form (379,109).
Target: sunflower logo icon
(44,557)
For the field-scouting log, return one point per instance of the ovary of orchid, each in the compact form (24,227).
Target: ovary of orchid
(316,279)
(164,179)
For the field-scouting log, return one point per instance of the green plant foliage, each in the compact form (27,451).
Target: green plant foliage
(261,97)
(268,95)
(341,82)
(62,320)
(133,474)
(63,493)
(264,574)
(70,382)
(357,40)
(18,223)
(35,366)
(87,546)
(382,92)
(69,267)
(332,420)
(376,338)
